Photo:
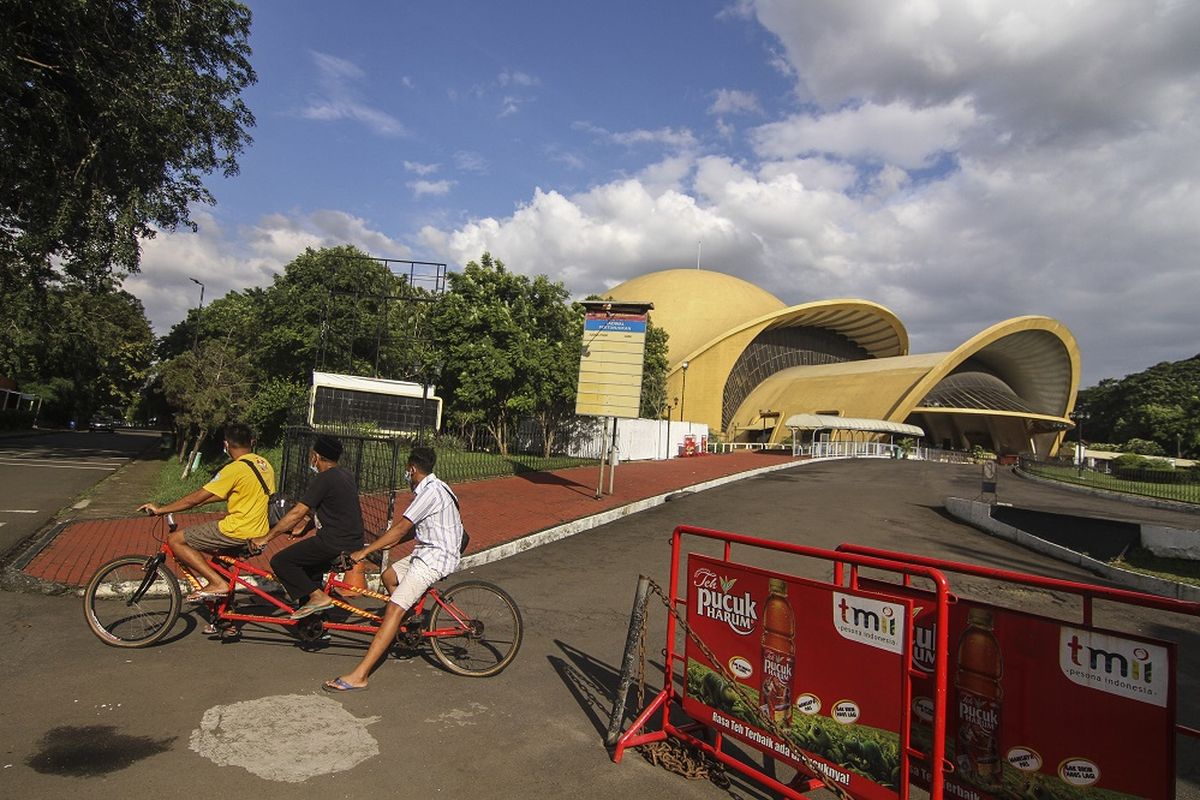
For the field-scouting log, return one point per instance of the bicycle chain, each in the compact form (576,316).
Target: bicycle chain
(751,704)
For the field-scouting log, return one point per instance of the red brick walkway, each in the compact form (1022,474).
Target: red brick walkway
(494,512)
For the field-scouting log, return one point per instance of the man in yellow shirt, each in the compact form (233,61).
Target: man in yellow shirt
(246,494)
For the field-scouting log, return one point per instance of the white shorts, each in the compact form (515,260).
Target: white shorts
(413,577)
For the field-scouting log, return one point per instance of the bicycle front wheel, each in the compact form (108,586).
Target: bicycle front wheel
(475,629)
(132,601)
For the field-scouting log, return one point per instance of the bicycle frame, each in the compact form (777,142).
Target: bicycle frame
(237,572)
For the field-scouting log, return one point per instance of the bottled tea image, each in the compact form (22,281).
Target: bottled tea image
(980,668)
(778,654)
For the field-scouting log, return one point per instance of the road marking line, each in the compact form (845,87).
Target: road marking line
(52,466)
(18,511)
(52,459)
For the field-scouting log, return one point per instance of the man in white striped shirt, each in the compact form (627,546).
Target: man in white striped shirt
(433,519)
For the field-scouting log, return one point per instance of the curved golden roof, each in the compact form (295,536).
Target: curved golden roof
(1037,356)
(696,305)
(869,325)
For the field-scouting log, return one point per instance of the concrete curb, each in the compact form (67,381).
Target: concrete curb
(979,515)
(508,549)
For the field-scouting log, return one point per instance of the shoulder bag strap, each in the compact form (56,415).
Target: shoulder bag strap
(257,474)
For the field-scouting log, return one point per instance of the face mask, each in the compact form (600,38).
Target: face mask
(313,467)
(408,476)
(225,448)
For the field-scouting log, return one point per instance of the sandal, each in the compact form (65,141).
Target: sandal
(204,596)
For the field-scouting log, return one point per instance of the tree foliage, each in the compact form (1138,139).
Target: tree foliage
(1156,411)
(112,112)
(654,373)
(84,352)
(208,387)
(511,348)
(334,309)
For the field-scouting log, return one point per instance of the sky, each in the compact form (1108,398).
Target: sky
(959,162)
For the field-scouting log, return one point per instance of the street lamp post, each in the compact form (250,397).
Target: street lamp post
(683,392)
(196,335)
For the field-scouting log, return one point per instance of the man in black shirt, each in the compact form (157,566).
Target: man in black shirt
(332,498)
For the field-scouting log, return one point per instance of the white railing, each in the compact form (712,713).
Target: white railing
(843,449)
(733,447)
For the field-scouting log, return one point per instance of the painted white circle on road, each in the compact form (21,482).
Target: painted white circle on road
(288,738)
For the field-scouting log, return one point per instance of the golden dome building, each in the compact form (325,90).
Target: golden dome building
(746,364)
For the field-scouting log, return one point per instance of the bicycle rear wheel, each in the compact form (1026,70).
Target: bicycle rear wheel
(476,629)
(132,601)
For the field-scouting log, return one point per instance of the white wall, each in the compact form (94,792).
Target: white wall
(645,439)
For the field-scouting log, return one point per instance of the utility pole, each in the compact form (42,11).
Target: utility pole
(196,334)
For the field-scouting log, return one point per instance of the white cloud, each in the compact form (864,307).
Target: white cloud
(517,78)
(435,188)
(226,260)
(734,101)
(509,105)
(1046,69)
(668,137)
(470,161)
(895,133)
(339,99)
(421,169)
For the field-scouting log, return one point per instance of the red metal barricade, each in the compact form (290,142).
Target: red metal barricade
(724,601)
(1066,685)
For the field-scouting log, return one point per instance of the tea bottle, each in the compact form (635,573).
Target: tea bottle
(980,669)
(778,654)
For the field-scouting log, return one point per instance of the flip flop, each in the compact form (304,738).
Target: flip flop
(307,609)
(203,596)
(337,686)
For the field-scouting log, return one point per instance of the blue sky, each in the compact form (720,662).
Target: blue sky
(959,163)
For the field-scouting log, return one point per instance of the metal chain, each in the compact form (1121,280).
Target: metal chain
(750,702)
(231,561)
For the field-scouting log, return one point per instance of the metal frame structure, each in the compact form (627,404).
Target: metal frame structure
(428,276)
(635,734)
(1085,591)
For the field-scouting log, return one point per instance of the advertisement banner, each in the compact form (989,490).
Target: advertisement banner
(1044,708)
(823,662)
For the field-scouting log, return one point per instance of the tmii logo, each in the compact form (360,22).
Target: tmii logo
(871,622)
(1133,669)
(868,619)
(1140,668)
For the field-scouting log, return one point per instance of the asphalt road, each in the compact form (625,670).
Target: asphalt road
(43,473)
(248,719)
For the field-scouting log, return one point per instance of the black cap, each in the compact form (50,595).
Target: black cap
(328,447)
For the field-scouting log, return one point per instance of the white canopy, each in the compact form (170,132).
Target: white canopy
(809,422)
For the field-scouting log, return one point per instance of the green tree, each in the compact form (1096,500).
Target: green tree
(480,326)
(654,373)
(511,349)
(209,386)
(555,339)
(90,352)
(1160,404)
(338,310)
(112,113)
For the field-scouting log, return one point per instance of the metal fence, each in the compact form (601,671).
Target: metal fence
(377,461)
(1180,485)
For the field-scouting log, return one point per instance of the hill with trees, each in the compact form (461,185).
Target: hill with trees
(1153,412)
